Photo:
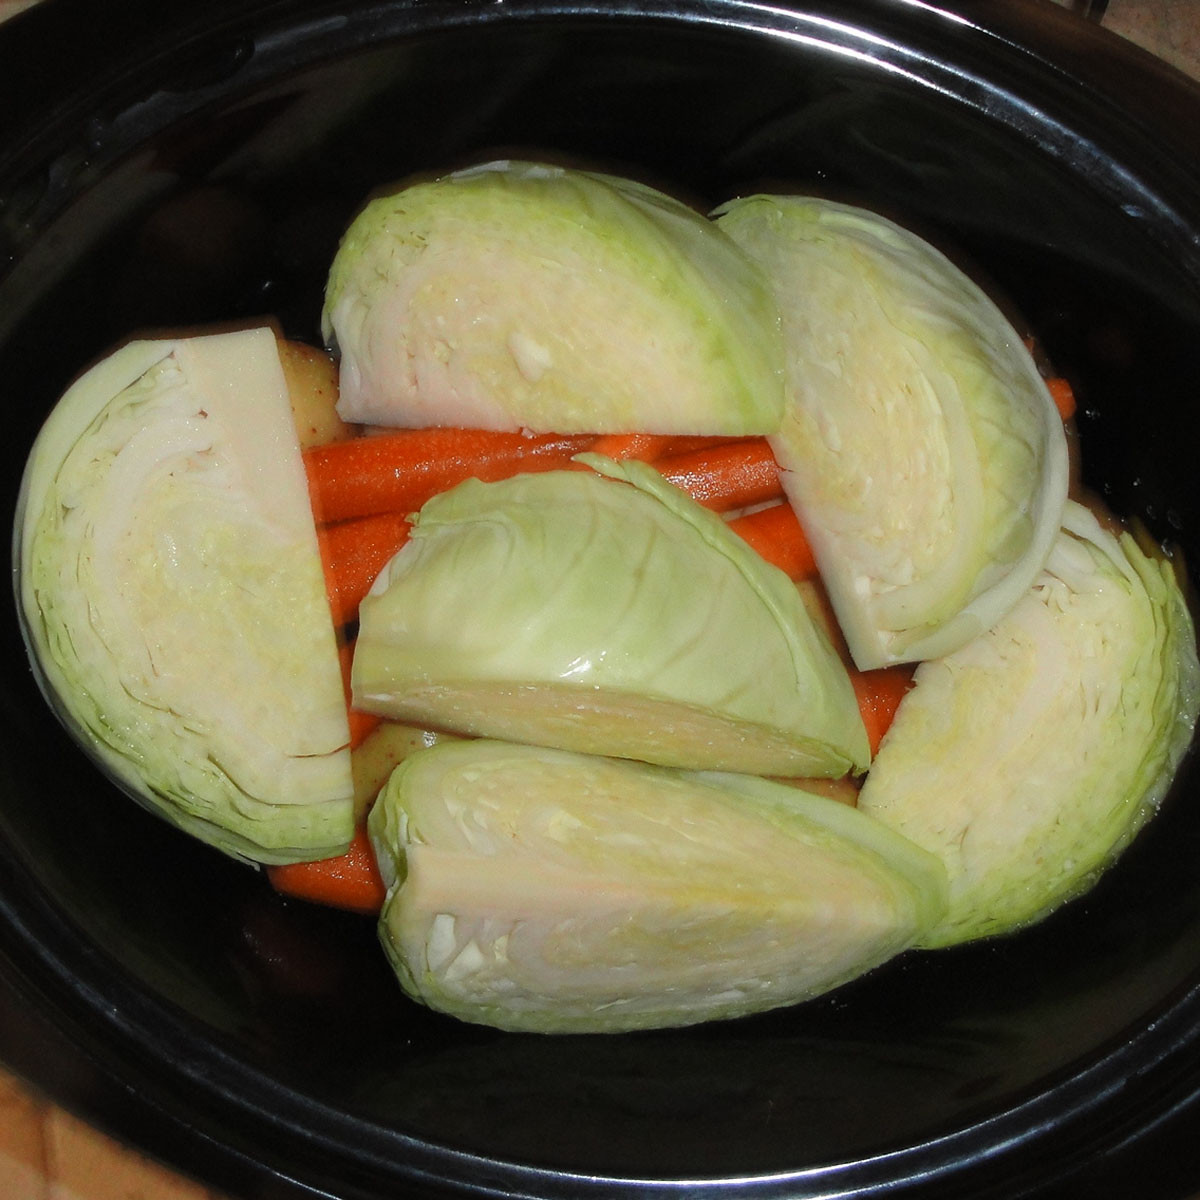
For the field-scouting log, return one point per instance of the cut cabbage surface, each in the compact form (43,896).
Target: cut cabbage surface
(534,889)
(920,447)
(1028,759)
(173,600)
(568,609)
(520,295)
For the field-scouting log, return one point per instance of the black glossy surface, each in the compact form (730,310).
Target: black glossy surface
(264,1044)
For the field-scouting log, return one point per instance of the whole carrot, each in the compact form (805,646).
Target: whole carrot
(398,471)
(737,474)
(775,532)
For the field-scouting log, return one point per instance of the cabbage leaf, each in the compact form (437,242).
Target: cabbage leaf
(173,600)
(1030,758)
(522,295)
(539,890)
(568,609)
(920,447)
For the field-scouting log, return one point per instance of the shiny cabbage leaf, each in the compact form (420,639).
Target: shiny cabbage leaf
(534,889)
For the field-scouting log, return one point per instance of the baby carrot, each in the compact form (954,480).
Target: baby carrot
(351,880)
(398,471)
(879,693)
(731,475)
(353,553)
(776,534)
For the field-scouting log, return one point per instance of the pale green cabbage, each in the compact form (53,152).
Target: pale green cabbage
(539,890)
(521,295)
(573,610)
(1028,759)
(173,599)
(920,447)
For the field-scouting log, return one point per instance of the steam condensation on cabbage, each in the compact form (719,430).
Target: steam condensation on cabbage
(522,295)
(173,599)
(572,610)
(1028,759)
(920,447)
(534,889)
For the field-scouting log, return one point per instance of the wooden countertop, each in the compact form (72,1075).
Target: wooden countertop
(46,1153)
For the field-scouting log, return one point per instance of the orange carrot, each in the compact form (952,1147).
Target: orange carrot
(732,475)
(776,534)
(643,446)
(398,471)
(361,723)
(353,553)
(1063,395)
(687,443)
(879,694)
(650,447)
(351,880)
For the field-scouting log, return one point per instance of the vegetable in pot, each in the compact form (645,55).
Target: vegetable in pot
(922,450)
(544,891)
(397,470)
(1028,759)
(522,295)
(573,610)
(172,597)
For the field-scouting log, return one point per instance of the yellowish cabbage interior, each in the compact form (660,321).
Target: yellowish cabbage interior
(1029,758)
(919,445)
(517,295)
(174,599)
(540,890)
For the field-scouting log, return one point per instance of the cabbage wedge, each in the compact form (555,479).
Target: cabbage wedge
(522,295)
(1030,758)
(920,447)
(538,890)
(568,609)
(172,595)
